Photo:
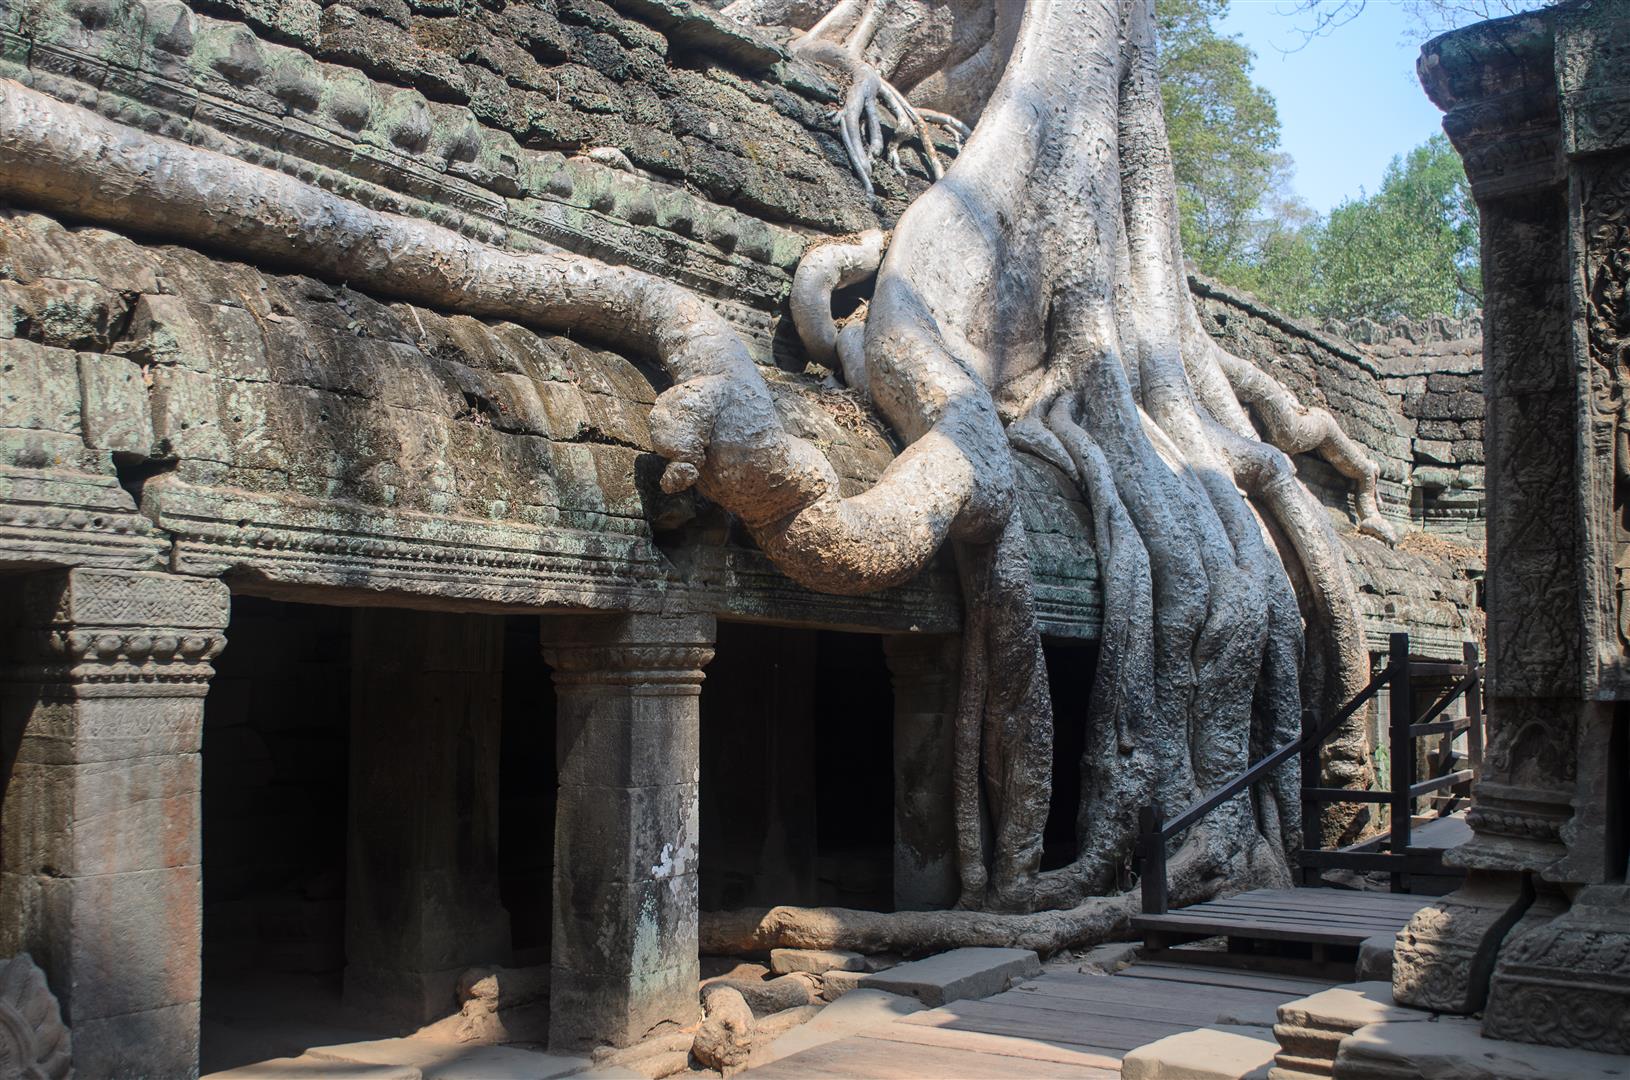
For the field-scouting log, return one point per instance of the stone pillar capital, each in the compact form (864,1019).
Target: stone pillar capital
(117,633)
(651,655)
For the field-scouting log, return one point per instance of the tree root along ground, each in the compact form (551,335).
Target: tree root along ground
(1032,298)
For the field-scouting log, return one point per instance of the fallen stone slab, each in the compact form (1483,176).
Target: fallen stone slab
(856,1011)
(307,1067)
(1220,1053)
(956,975)
(454,1061)
(1453,1048)
(1109,958)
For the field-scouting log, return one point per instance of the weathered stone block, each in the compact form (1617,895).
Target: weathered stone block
(121,943)
(104,817)
(1454,1049)
(116,414)
(958,974)
(625,929)
(1221,1053)
(816,961)
(634,742)
(160,1042)
(39,388)
(186,415)
(587,1009)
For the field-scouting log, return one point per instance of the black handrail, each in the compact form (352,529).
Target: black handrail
(1155,830)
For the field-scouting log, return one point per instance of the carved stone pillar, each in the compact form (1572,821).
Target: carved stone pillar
(924,667)
(1445,957)
(421,899)
(1566,980)
(101,717)
(1538,107)
(626,831)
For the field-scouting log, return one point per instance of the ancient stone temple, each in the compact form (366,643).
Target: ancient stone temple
(356,638)
(1538,940)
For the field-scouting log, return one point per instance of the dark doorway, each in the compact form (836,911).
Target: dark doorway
(854,770)
(275,771)
(527,790)
(1070,670)
(797,770)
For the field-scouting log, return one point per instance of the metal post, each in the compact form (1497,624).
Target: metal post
(1312,776)
(1152,825)
(1402,754)
(1474,711)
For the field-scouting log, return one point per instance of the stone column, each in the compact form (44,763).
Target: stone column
(421,900)
(625,918)
(1445,957)
(1538,112)
(924,667)
(101,717)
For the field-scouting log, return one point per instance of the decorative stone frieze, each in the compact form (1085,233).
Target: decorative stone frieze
(1566,980)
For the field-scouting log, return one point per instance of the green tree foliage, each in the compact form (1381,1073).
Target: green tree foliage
(1411,249)
(1224,130)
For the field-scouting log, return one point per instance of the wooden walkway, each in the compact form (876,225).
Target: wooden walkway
(1329,924)
(1063,1024)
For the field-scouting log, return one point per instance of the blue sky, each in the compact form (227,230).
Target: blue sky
(1348,102)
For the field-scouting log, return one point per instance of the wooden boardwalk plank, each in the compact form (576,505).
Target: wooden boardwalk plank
(1047,1025)
(886,1059)
(985,1043)
(1334,898)
(1295,985)
(1342,905)
(1317,918)
(1387,918)
(1228,926)
(1160,1001)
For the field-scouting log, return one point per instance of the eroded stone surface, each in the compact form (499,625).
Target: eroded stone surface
(1454,1049)
(958,974)
(1220,1053)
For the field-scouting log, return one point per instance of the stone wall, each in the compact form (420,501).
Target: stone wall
(1411,394)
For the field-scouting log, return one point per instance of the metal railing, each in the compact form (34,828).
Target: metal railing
(1156,831)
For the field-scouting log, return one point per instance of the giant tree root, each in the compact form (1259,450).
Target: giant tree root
(726,933)
(1194,872)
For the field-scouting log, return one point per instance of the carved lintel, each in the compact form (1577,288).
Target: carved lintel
(1565,981)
